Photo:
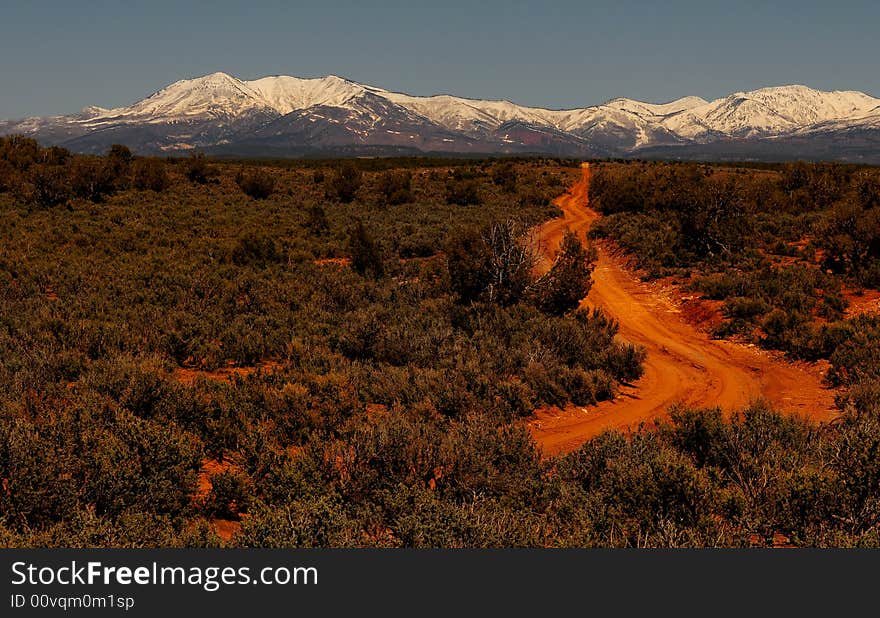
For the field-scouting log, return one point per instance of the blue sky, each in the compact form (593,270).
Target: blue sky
(57,57)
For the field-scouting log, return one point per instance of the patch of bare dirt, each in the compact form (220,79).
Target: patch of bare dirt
(188,375)
(862,302)
(337,261)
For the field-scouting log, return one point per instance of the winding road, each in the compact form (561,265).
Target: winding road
(683,364)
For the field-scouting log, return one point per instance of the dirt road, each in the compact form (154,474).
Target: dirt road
(683,364)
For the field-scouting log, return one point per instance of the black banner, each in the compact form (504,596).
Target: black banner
(448,582)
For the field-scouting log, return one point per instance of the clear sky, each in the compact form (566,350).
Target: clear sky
(59,56)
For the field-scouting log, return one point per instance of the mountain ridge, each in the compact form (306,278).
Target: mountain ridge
(282,112)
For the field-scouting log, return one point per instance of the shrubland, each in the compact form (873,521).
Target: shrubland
(784,249)
(348,359)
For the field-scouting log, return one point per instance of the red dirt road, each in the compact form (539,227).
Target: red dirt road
(683,365)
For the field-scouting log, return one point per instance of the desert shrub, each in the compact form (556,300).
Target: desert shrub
(119,154)
(463,193)
(366,254)
(495,265)
(625,361)
(568,280)
(317,221)
(867,189)
(231,495)
(94,179)
(125,464)
(256,183)
(856,357)
(850,235)
(197,169)
(9,178)
(646,486)
(343,182)
(56,155)
(33,466)
(19,151)
(468,265)
(150,174)
(517,399)
(118,163)
(49,186)
(396,187)
(256,249)
(319,521)
(504,175)
(140,465)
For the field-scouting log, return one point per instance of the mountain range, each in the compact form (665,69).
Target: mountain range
(290,116)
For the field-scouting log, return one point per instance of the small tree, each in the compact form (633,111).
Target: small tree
(120,154)
(118,165)
(49,185)
(93,178)
(256,249)
(366,255)
(20,151)
(56,155)
(8,176)
(512,257)
(495,266)
(850,235)
(468,264)
(568,280)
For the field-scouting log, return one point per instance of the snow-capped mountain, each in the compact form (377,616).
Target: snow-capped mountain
(769,111)
(289,115)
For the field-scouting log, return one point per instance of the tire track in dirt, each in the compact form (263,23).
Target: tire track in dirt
(683,365)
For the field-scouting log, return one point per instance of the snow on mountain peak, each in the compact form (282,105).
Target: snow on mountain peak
(214,95)
(763,111)
(286,94)
(768,111)
(804,105)
(225,105)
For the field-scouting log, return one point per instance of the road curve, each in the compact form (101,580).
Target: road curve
(683,364)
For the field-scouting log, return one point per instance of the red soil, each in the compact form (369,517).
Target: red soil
(224,528)
(337,261)
(683,365)
(866,301)
(188,375)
